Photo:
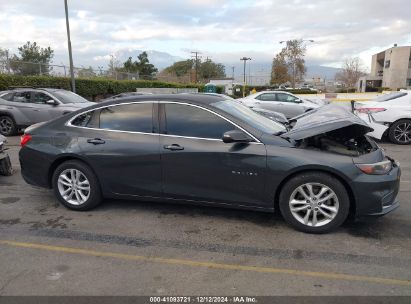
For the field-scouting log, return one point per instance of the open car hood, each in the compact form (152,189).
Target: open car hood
(326,119)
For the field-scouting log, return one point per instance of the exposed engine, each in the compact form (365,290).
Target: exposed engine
(337,142)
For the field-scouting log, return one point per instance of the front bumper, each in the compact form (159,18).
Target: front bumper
(376,195)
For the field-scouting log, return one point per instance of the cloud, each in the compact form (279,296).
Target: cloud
(223,29)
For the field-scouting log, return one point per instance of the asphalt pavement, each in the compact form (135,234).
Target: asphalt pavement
(143,248)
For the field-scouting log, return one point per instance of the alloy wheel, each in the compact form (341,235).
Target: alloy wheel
(314,204)
(402,132)
(6,125)
(73,186)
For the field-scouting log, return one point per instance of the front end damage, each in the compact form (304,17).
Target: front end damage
(333,129)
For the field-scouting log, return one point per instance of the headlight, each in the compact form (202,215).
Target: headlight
(376,169)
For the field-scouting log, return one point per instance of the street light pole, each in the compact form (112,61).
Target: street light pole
(73,83)
(245,60)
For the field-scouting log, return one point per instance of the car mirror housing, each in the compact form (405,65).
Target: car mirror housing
(51,102)
(236,136)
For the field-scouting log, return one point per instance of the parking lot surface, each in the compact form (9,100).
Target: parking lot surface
(142,248)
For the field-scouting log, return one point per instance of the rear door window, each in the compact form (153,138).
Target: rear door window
(23,97)
(136,117)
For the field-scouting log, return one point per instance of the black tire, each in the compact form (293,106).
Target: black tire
(6,167)
(392,132)
(317,178)
(94,198)
(10,129)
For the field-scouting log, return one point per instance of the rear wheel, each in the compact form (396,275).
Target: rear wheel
(400,132)
(314,202)
(7,126)
(76,186)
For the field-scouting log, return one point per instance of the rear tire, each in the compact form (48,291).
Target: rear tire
(76,186)
(321,196)
(8,126)
(400,132)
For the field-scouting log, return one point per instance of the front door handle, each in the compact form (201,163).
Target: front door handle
(173,147)
(96,141)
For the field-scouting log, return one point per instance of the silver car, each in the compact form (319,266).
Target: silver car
(20,108)
(282,102)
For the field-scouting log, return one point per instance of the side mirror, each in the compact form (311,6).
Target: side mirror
(298,101)
(51,102)
(235,136)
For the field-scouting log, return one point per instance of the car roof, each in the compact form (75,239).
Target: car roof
(34,89)
(201,99)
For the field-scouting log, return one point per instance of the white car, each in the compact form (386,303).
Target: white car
(390,115)
(282,102)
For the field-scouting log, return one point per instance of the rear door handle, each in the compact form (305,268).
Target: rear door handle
(173,147)
(96,141)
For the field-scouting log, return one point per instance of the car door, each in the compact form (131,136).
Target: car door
(268,101)
(21,106)
(121,143)
(42,111)
(198,166)
(290,105)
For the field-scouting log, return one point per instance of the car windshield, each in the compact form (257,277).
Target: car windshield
(69,97)
(391,96)
(247,115)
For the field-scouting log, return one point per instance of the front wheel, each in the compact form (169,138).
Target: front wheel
(76,186)
(400,132)
(314,202)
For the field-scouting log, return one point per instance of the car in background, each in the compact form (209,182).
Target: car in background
(390,115)
(22,107)
(127,94)
(279,101)
(207,150)
(5,164)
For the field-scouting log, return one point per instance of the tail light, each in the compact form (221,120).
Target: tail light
(371,110)
(25,139)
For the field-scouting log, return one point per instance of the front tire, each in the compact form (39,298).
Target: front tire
(400,132)
(314,202)
(76,186)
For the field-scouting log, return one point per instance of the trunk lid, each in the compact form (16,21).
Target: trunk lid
(325,119)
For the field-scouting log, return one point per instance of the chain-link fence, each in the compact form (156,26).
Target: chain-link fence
(17,67)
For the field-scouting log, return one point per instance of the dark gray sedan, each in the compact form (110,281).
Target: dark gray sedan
(212,151)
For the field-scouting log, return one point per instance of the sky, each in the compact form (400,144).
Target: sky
(223,30)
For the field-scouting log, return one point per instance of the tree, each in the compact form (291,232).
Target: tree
(209,69)
(352,70)
(33,60)
(279,70)
(113,66)
(180,68)
(291,57)
(143,67)
(4,60)
(86,72)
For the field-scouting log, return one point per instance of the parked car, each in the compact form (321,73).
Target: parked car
(23,107)
(5,164)
(390,115)
(208,150)
(127,94)
(282,102)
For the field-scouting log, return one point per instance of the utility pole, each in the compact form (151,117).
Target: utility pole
(245,60)
(73,83)
(196,63)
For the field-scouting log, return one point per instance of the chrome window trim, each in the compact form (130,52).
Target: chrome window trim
(68,123)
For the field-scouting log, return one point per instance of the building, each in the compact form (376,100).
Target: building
(228,84)
(389,69)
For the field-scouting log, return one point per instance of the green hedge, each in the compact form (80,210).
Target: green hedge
(89,88)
